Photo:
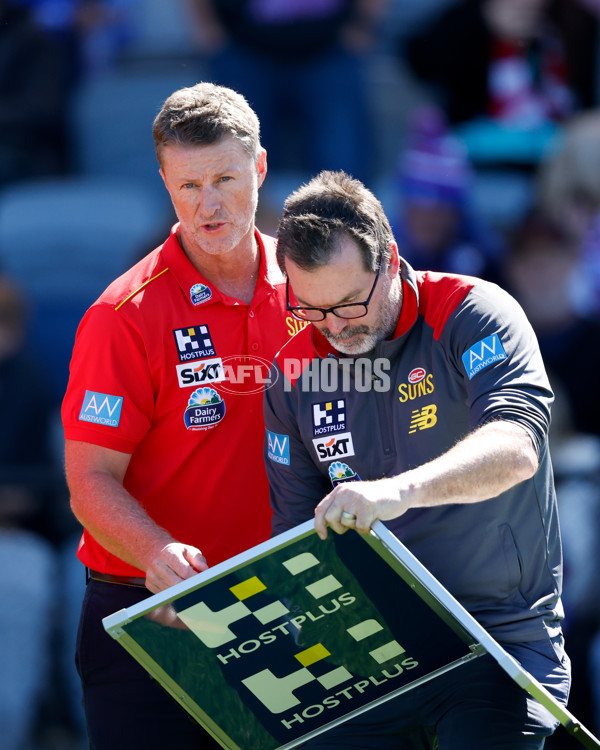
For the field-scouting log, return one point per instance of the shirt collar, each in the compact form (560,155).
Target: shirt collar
(201,292)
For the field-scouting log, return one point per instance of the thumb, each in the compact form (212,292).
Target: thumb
(195,558)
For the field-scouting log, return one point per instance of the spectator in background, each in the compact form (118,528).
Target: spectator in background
(508,73)
(301,64)
(90,33)
(569,190)
(542,269)
(435,223)
(30,524)
(32,98)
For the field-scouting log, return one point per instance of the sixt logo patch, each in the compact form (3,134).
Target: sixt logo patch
(206,371)
(329,416)
(482,354)
(100,408)
(200,293)
(340,472)
(336,446)
(205,409)
(278,448)
(194,343)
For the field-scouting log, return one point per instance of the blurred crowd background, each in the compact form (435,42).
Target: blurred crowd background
(476,122)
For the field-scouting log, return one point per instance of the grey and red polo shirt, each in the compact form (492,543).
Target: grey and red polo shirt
(463,354)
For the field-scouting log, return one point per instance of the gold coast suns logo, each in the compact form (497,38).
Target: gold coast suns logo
(420,383)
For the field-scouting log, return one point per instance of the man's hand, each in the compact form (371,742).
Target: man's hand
(367,501)
(487,462)
(172,564)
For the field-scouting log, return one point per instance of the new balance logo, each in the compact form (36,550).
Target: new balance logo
(423,419)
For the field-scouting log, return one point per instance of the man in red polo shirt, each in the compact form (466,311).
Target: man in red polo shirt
(163,412)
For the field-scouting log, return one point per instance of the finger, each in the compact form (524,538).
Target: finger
(320,523)
(334,519)
(320,516)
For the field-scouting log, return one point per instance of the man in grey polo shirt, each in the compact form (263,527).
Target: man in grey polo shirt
(430,388)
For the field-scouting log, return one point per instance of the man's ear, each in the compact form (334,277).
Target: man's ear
(261,166)
(394,262)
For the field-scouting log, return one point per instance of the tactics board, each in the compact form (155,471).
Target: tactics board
(296,635)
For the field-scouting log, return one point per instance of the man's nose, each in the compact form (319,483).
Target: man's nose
(210,202)
(336,325)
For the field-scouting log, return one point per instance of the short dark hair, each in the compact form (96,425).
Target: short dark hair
(203,114)
(318,214)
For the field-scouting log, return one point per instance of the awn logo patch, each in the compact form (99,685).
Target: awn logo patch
(205,409)
(482,354)
(336,446)
(278,448)
(329,416)
(206,371)
(100,408)
(279,688)
(194,343)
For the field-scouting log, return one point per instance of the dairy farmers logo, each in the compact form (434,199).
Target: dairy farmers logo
(200,293)
(205,409)
(340,472)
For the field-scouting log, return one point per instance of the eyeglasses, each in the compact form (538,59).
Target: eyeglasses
(347,311)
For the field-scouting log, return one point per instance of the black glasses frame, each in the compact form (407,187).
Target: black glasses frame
(325,310)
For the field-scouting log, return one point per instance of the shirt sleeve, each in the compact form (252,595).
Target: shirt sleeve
(110,395)
(494,348)
(295,484)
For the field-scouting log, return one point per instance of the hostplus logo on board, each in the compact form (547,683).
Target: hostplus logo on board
(280,691)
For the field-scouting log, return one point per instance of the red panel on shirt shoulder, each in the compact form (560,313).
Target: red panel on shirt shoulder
(439,296)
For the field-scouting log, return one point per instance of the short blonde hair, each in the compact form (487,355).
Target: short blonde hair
(203,114)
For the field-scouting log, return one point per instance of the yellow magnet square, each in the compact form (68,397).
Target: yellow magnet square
(247,588)
(313,654)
